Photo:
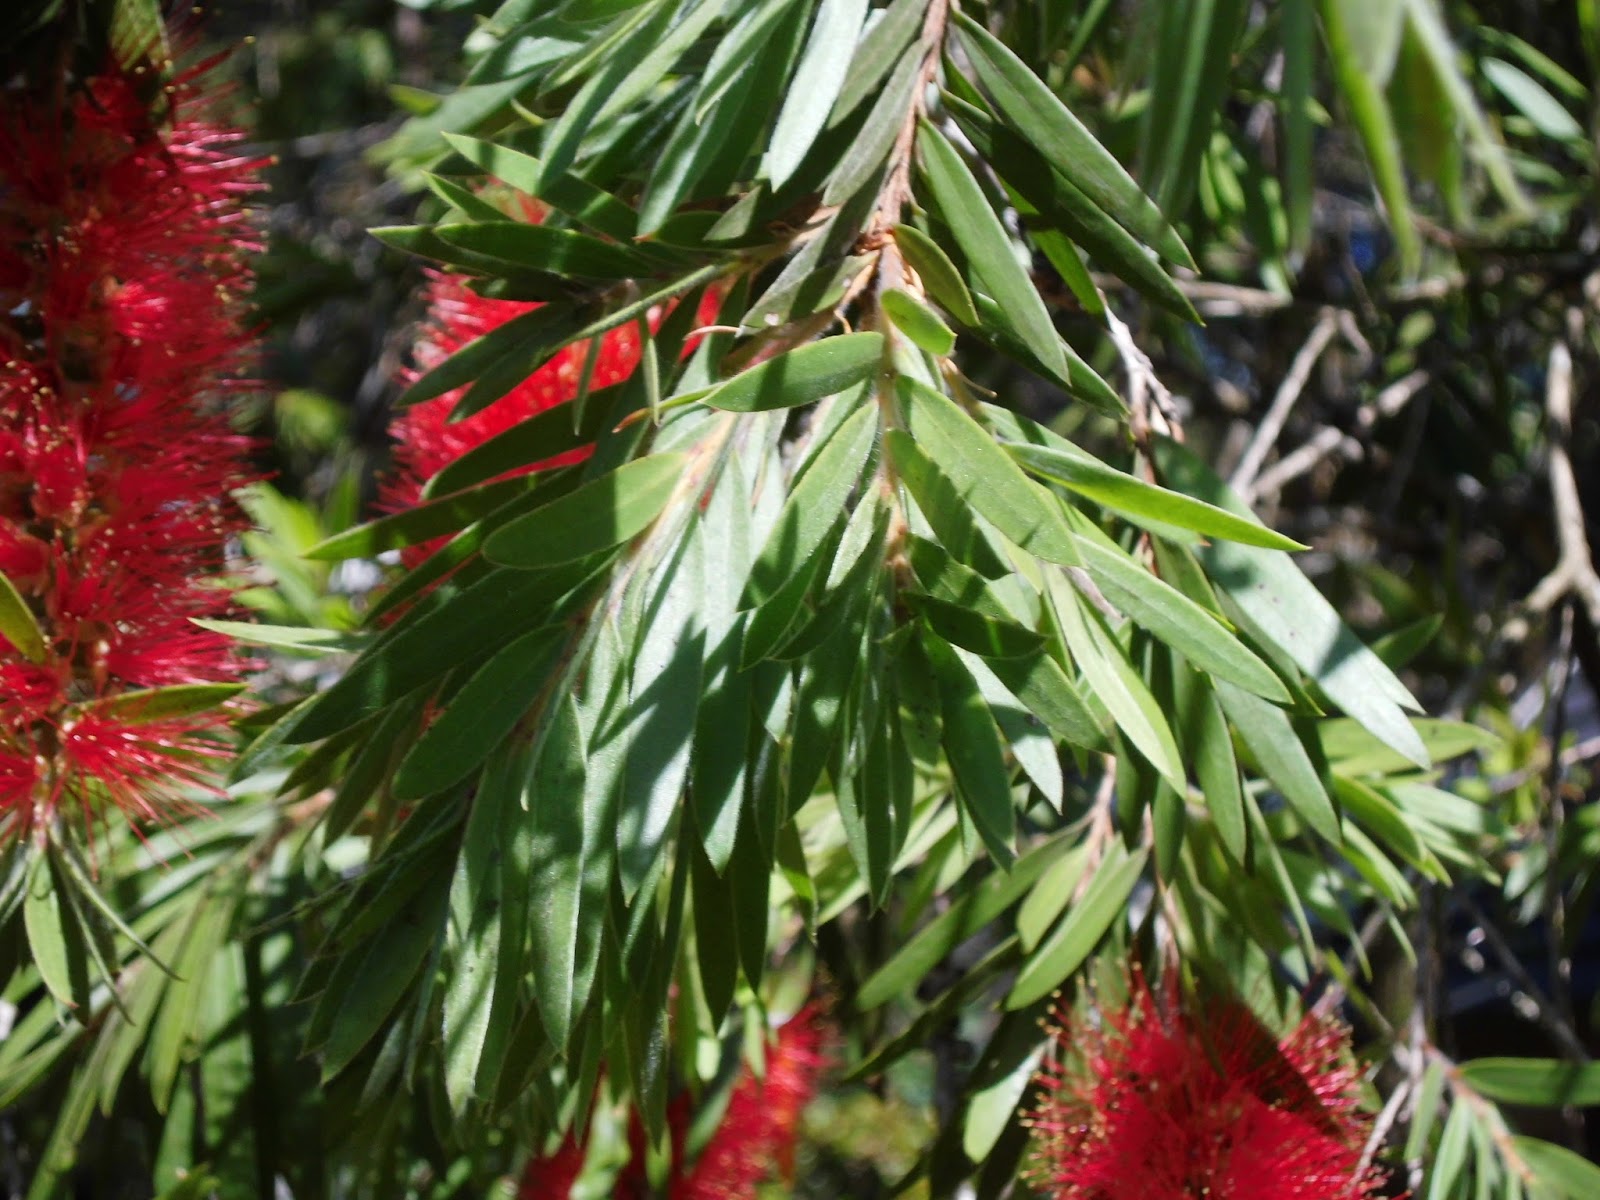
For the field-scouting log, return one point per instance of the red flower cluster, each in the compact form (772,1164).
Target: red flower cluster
(755,1139)
(1162,1102)
(123,244)
(426,439)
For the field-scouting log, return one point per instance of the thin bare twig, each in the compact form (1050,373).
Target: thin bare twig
(1574,572)
(1545,1012)
(1328,441)
(1144,386)
(1266,434)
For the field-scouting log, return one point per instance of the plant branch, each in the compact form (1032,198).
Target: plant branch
(1294,383)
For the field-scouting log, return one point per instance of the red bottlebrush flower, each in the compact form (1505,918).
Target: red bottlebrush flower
(1162,1101)
(123,263)
(755,1139)
(757,1133)
(427,441)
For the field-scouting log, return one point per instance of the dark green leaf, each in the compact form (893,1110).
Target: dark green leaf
(816,85)
(603,513)
(1143,504)
(1060,210)
(157,704)
(972,746)
(988,248)
(1287,610)
(816,503)
(1272,740)
(1036,113)
(572,194)
(480,715)
(984,475)
(421,523)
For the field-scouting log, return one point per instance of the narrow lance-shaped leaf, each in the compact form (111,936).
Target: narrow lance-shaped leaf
(603,513)
(984,241)
(823,68)
(984,475)
(802,375)
(1052,129)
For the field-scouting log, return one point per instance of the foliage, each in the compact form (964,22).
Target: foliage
(865,639)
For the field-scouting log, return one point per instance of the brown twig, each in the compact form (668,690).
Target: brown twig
(1266,434)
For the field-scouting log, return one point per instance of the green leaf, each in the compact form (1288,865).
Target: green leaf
(803,375)
(474,939)
(603,513)
(1144,504)
(394,956)
(984,635)
(972,746)
(815,505)
(544,327)
(1426,23)
(938,274)
(809,97)
(1174,618)
(1374,122)
(18,625)
(569,866)
(1572,1175)
(633,55)
(421,523)
(1281,604)
(966,915)
(572,194)
(430,642)
(544,248)
(480,715)
(918,322)
(286,637)
(883,46)
(54,939)
(534,440)
(158,704)
(1054,210)
(1002,1076)
(1546,113)
(866,156)
(1104,899)
(1115,683)
(988,248)
(1047,693)
(1206,741)
(1189,79)
(738,90)
(1273,741)
(664,687)
(1035,112)
(1535,1082)
(983,475)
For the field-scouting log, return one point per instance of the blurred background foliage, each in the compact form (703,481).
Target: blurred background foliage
(1402,333)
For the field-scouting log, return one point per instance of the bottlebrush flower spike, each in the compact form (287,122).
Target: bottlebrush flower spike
(1163,1100)
(427,441)
(755,1139)
(123,244)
